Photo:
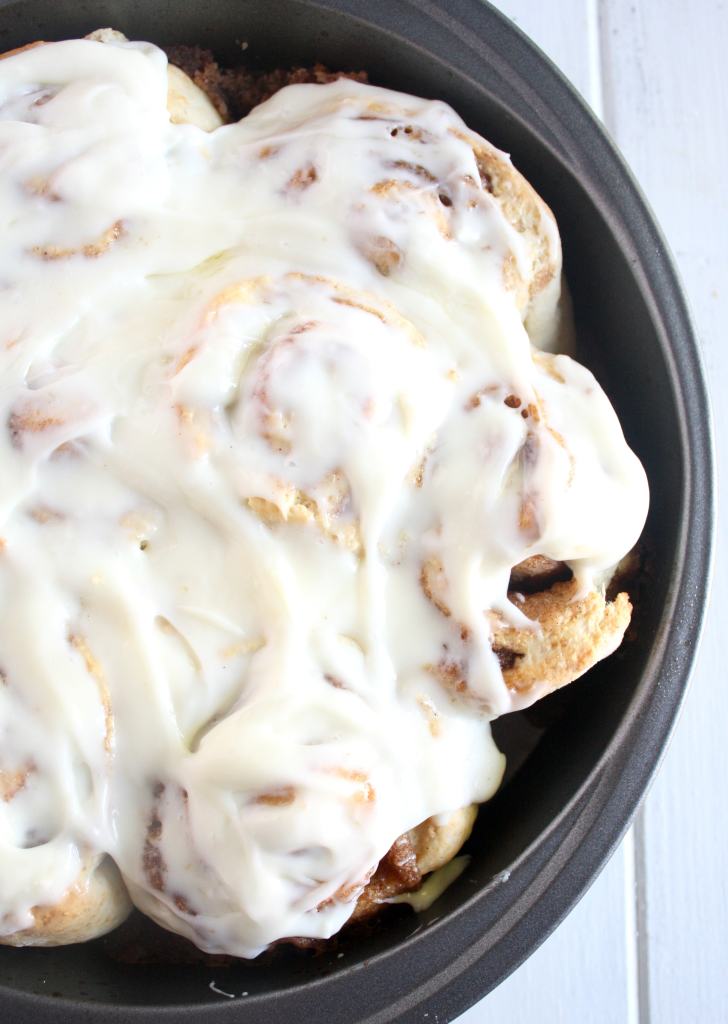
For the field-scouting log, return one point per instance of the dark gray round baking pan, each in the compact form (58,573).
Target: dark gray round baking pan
(582,759)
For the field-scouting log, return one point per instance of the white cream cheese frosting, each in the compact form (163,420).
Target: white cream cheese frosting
(229,440)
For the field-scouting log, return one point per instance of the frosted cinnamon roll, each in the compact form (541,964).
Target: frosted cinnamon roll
(63,892)
(292,496)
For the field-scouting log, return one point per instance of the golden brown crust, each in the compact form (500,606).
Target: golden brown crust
(418,852)
(571,632)
(575,633)
(396,873)
(97,903)
(437,840)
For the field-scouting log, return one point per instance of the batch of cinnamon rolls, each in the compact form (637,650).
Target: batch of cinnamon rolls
(295,496)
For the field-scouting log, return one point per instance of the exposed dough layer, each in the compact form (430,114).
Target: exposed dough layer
(96,904)
(575,633)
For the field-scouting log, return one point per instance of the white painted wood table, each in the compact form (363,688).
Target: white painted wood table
(649,941)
